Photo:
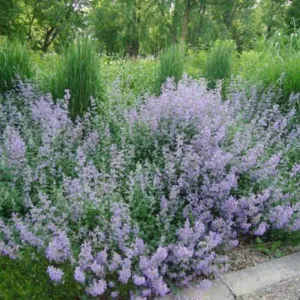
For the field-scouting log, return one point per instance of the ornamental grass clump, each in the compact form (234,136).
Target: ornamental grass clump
(171,64)
(79,72)
(218,63)
(150,198)
(15,62)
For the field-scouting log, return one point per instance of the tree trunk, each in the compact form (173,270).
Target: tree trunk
(31,19)
(185,22)
(199,25)
(133,47)
(49,37)
(175,21)
(133,44)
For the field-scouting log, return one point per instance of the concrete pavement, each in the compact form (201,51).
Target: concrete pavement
(258,282)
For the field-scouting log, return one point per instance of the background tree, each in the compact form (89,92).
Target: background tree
(46,20)
(293,14)
(272,15)
(143,27)
(107,23)
(9,22)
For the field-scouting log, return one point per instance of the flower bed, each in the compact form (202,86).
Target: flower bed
(148,197)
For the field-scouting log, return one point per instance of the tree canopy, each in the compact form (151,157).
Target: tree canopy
(142,27)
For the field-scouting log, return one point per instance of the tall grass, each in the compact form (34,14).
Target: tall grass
(291,77)
(276,62)
(283,51)
(280,43)
(78,70)
(284,74)
(218,63)
(171,64)
(14,62)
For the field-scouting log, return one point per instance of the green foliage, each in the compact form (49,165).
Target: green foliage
(144,208)
(45,66)
(281,43)
(270,249)
(245,65)
(276,242)
(170,66)
(47,21)
(293,14)
(272,13)
(144,27)
(286,238)
(135,77)
(14,61)
(10,200)
(291,80)
(195,63)
(8,20)
(27,279)
(218,63)
(275,62)
(107,24)
(77,71)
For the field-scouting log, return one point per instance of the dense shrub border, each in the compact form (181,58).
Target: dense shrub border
(149,197)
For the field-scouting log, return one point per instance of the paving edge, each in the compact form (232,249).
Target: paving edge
(232,285)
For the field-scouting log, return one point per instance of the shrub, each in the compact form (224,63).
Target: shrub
(78,72)
(218,63)
(171,64)
(14,62)
(136,77)
(245,65)
(45,65)
(153,196)
(195,63)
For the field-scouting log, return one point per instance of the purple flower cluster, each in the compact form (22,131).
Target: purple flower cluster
(58,249)
(152,197)
(55,274)
(15,147)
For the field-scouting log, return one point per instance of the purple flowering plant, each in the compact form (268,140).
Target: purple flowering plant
(149,196)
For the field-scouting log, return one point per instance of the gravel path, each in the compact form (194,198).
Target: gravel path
(284,290)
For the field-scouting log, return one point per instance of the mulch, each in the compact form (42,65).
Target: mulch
(247,254)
